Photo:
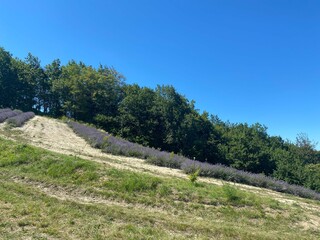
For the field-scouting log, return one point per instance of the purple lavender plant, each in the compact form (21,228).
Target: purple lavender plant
(8,114)
(20,119)
(5,110)
(119,146)
(92,135)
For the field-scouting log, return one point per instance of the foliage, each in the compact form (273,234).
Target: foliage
(312,176)
(193,176)
(8,80)
(248,148)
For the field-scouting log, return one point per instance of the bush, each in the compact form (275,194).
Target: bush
(19,120)
(92,135)
(8,114)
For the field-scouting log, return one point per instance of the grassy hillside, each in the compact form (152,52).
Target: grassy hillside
(46,195)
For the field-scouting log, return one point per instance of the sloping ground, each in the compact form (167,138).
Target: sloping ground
(56,136)
(282,216)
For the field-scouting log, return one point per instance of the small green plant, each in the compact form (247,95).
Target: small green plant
(194,176)
(232,194)
(8,127)
(105,142)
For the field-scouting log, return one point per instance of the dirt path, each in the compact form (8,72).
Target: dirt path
(56,136)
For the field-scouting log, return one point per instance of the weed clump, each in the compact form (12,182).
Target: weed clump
(194,176)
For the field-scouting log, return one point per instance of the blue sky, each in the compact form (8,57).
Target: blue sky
(245,61)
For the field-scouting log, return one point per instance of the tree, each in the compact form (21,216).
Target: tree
(8,80)
(312,176)
(75,92)
(288,166)
(25,92)
(108,94)
(173,108)
(53,72)
(138,116)
(35,76)
(88,94)
(306,149)
(199,138)
(247,147)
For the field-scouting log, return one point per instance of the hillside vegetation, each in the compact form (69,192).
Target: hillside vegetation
(160,118)
(118,146)
(86,194)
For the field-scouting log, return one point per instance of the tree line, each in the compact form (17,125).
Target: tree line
(161,118)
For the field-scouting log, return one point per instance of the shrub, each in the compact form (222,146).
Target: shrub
(92,135)
(194,176)
(8,114)
(19,120)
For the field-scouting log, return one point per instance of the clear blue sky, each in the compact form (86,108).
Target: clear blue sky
(245,61)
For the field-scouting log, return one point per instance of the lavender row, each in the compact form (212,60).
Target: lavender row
(19,120)
(5,110)
(90,134)
(118,146)
(238,176)
(8,114)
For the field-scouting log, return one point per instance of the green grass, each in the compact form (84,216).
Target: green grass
(45,195)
